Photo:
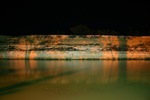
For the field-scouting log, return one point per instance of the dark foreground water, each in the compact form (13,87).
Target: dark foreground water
(74,80)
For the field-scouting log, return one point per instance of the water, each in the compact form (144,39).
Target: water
(74,80)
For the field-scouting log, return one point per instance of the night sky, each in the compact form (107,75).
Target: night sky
(26,17)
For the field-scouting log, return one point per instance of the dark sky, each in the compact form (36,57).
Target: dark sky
(39,17)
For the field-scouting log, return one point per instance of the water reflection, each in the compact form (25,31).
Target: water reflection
(15,75)
(110,71)
(98,71)
(138,71)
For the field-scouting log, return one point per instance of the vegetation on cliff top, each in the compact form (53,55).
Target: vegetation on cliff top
(86,30)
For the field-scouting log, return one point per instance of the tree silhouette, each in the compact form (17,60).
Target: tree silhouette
(80,30)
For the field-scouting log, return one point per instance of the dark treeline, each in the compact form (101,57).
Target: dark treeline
(80,30)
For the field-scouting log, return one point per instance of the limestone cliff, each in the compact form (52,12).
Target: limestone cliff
(74,47)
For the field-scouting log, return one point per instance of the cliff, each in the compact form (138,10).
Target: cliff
(75,47)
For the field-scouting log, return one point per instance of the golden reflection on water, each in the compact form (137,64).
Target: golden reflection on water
(86,71)
(138,71)
(74,78)
(110,71)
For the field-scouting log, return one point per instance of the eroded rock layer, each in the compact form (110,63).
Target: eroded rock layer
(75,47)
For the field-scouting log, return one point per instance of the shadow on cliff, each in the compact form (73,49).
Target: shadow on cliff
(122,55)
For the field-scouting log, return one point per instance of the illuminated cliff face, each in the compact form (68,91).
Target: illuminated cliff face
(75,47)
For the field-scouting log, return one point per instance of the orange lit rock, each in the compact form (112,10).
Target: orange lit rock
(75,47)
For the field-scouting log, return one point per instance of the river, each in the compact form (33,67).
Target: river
(74,80)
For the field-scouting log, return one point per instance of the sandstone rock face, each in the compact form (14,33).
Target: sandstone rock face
(75,47)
